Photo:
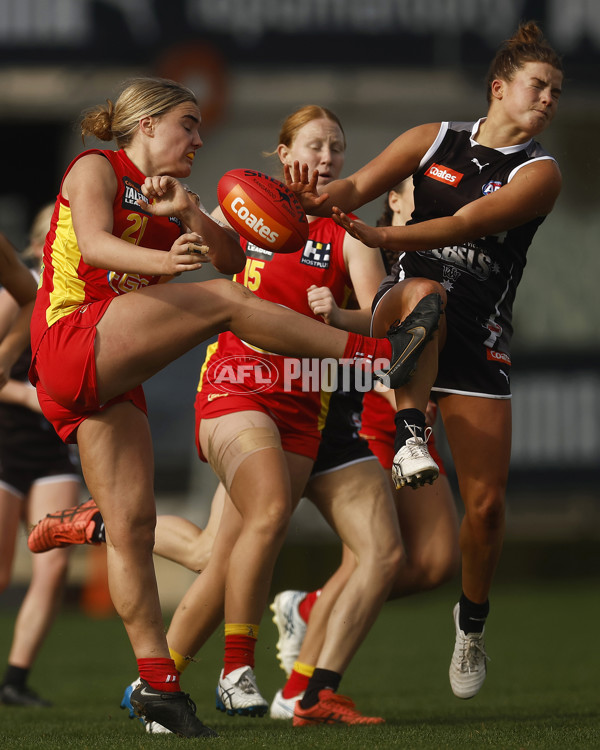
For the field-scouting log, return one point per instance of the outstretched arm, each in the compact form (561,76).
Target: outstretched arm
(393,165)
(529,195)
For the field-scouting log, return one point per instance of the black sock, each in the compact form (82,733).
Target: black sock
(322,679)
(472,616)
(16,676)
(99,534)
(412,417)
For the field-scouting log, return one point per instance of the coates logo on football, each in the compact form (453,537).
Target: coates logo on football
(246,373)
(444,174)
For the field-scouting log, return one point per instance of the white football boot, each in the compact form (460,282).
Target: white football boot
(412,464)
(237,693)
(283,708)
(291,627)
(468,666)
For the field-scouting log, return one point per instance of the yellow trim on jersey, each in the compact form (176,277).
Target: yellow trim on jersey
(325,395)
(347,293)
(69,290)
(210,350)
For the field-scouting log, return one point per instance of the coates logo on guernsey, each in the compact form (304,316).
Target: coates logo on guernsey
(444,174)
(494,356)
(246,374)
(266,228)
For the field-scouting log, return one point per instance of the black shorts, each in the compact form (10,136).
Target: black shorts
(466,366)
(30,450)
(340,442)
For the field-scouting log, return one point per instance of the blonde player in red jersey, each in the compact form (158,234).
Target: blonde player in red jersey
(266,456)
(102,324)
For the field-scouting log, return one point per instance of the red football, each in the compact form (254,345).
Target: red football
(263,210)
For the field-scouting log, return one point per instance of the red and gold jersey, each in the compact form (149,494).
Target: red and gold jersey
(377,419)
(283,279)
(66,281)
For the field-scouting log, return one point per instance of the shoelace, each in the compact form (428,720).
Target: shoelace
(246,684)
(342,704)
(417,446)
(69,514)
(177,695)
(289,622)
(190,702)
(472,652)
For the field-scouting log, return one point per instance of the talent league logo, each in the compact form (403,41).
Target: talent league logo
(258,253)
(132,193)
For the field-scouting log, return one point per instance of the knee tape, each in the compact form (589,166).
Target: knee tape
(226,446)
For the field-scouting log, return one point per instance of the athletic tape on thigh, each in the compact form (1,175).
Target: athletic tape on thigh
(227,448)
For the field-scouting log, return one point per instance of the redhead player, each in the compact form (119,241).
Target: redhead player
(267,439)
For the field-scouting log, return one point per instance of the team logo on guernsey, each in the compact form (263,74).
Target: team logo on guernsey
(466,258)
(316,254)
(444,174)
(491,187)
(253,251)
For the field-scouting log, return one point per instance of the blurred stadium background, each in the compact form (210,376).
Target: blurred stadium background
(382,66)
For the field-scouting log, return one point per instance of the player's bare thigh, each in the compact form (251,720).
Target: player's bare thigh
(479,434)
(142,332)
(356,501)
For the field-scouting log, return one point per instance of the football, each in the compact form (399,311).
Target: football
(263,210)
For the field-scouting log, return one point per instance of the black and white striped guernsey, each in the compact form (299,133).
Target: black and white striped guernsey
(480,276)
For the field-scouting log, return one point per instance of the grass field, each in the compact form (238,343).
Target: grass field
(542,689)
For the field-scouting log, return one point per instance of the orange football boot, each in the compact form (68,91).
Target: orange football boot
(69,526)
(331,709)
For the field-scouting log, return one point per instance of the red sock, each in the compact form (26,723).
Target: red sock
(296,684)
(306,605)
(239,652)
(364,347)
(160,674)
